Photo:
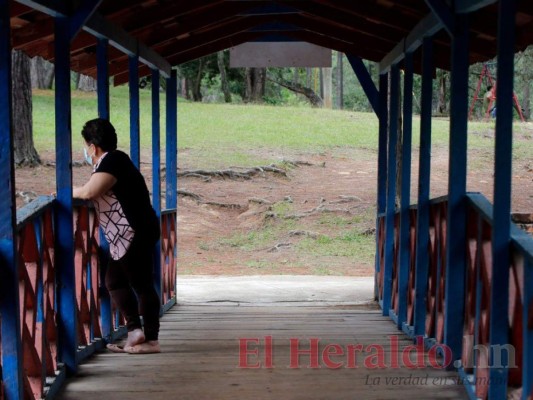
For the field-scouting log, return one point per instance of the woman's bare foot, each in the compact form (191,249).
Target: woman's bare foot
(149,347)
(135,337)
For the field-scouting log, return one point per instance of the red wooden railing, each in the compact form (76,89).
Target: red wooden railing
(169,243)
(37,288)
(474,362)
(87,268)
(36,269)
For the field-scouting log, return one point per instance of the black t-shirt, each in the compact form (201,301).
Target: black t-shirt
(131,192)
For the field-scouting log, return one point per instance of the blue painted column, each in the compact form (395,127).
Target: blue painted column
(172,142)
(503,161)
(66,295)
(365,80)
(104,112)
(9,281)
(382,164)
(135,149)
(527,334)
(156,175)
(156,144)
(424,179)
(103,78)
(405,223)
(390,209)
(456,228)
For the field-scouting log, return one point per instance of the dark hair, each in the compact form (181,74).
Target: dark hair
(101,133)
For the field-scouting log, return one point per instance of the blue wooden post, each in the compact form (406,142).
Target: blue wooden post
(503,161)
(382,162)
(103,79)
(9,282)
(156,144)
(135,150)
(456,228)
(172,142)
(156,175)
(405,223)
(66,295)
(365,80)
(104,112)
(391,187)
(527,334)
(424,179)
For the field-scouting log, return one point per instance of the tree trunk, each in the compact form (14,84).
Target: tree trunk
(197,84)
(184,88)
(25,153)
(321,79)
(527,102)
(340,81)
(42,73)
(313,98)
(223,78)
(296,78)
(442,106)
(308,76)
(328,87)
(255,79)
(188,86)
(86,84)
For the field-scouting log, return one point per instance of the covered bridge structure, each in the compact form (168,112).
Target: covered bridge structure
(451,271)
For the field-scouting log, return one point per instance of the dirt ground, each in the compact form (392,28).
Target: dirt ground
(338,185)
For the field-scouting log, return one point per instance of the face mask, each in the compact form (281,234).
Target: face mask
(88,158)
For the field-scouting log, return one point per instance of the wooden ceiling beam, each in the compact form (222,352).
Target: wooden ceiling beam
(201,22)
(343,12)
(198,52)
(190,43)
(159,14)
(339,32)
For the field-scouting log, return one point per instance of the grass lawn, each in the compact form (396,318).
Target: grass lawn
(219,135)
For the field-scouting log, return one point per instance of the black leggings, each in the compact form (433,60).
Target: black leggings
(131,275)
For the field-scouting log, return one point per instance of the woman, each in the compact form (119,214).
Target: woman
(131,227)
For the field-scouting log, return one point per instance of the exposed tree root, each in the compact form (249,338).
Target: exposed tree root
(319,209)
(198,199)
(279,246)
(194,196)
(346,199)
(309,234)
(232,173)
(231,206)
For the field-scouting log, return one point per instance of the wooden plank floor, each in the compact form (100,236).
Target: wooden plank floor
(200,359)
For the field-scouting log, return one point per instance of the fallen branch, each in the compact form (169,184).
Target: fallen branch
(313,98)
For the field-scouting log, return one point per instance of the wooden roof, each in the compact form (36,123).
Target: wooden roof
(181,30)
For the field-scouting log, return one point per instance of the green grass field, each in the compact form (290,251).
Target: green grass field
(219,135)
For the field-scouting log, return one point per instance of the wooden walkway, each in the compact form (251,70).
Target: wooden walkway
(200,359)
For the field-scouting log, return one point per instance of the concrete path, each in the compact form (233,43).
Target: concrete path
(277,290)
